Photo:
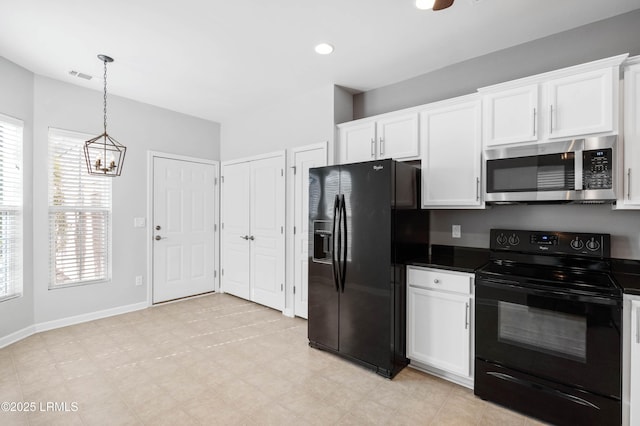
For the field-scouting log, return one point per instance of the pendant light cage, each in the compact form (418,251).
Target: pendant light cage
(104,155)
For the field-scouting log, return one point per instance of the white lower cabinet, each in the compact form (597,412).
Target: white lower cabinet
(439,323)
(631,361)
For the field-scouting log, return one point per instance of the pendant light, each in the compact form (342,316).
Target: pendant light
(104,154)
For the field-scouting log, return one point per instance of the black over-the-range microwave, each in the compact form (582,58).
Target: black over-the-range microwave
(579,171)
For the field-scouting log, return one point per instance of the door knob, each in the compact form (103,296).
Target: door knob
(158,237)
(158,227)
(246,237)
(252,238)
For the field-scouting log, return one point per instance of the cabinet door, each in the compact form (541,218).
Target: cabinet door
(267,231)
(580,104)
(631,192)
(358,142)
(235,211)
(511,116)
(398,137)
(451,156)
(438,330)
(634,393)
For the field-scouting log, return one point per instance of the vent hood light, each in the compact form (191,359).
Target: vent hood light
(324,49)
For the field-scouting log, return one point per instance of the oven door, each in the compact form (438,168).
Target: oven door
(551,334)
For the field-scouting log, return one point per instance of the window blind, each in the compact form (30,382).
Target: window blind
(79,214)
(10,207)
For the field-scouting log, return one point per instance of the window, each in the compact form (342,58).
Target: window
(79,215)
(10,207)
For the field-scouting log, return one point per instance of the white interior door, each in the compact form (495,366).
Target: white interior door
(267,231)
(235,246)
(184,234)
(303,159)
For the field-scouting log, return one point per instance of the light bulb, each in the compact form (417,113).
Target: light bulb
(424,4)
(324,49)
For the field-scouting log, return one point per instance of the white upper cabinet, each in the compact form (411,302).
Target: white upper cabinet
(581,104)
(393,135)
(630,196)
(571,102)
(398,136)
(357,142)
(451,139)
(511,115)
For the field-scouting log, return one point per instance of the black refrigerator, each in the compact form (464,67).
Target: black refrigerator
(365,224)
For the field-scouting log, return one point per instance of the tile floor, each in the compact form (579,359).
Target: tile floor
(216,359)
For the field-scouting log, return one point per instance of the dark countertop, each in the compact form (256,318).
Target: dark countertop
(454,258)
(627,274)
(468,259)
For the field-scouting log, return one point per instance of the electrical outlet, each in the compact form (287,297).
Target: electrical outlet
(455,231)
(139,280)
(138,222)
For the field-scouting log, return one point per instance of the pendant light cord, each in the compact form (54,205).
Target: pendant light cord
(105,96)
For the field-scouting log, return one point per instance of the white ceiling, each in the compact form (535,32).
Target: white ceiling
(216,58)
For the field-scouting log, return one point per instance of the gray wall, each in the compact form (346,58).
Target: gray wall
(141,128)
(617,35)
(304,119)
(16,100)
(605,38)
(624,226)
(42,103)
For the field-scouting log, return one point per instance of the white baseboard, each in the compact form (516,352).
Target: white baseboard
(467,382)
(16,336)
(288,313)
(63,322)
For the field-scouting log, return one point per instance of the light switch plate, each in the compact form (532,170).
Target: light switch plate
(138,222)
(455,231)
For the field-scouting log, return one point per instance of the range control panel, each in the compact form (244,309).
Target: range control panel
(552,242)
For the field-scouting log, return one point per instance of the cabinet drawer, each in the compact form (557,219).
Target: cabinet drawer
(439,280)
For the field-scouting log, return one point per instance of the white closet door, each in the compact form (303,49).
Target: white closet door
(184,218)
(235,251)
(267,188)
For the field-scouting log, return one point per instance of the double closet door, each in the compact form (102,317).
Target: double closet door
(252,224)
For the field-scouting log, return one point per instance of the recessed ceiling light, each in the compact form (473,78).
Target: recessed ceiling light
(424,4)
(324,49)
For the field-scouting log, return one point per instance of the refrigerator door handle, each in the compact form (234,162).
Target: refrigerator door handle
(334,260)
(339,242)
(343,216)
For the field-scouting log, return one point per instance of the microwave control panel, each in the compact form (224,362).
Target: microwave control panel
(597,169)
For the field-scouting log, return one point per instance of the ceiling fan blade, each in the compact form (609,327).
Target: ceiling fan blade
(442,4)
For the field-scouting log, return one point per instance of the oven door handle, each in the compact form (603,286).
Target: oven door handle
(556,294)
